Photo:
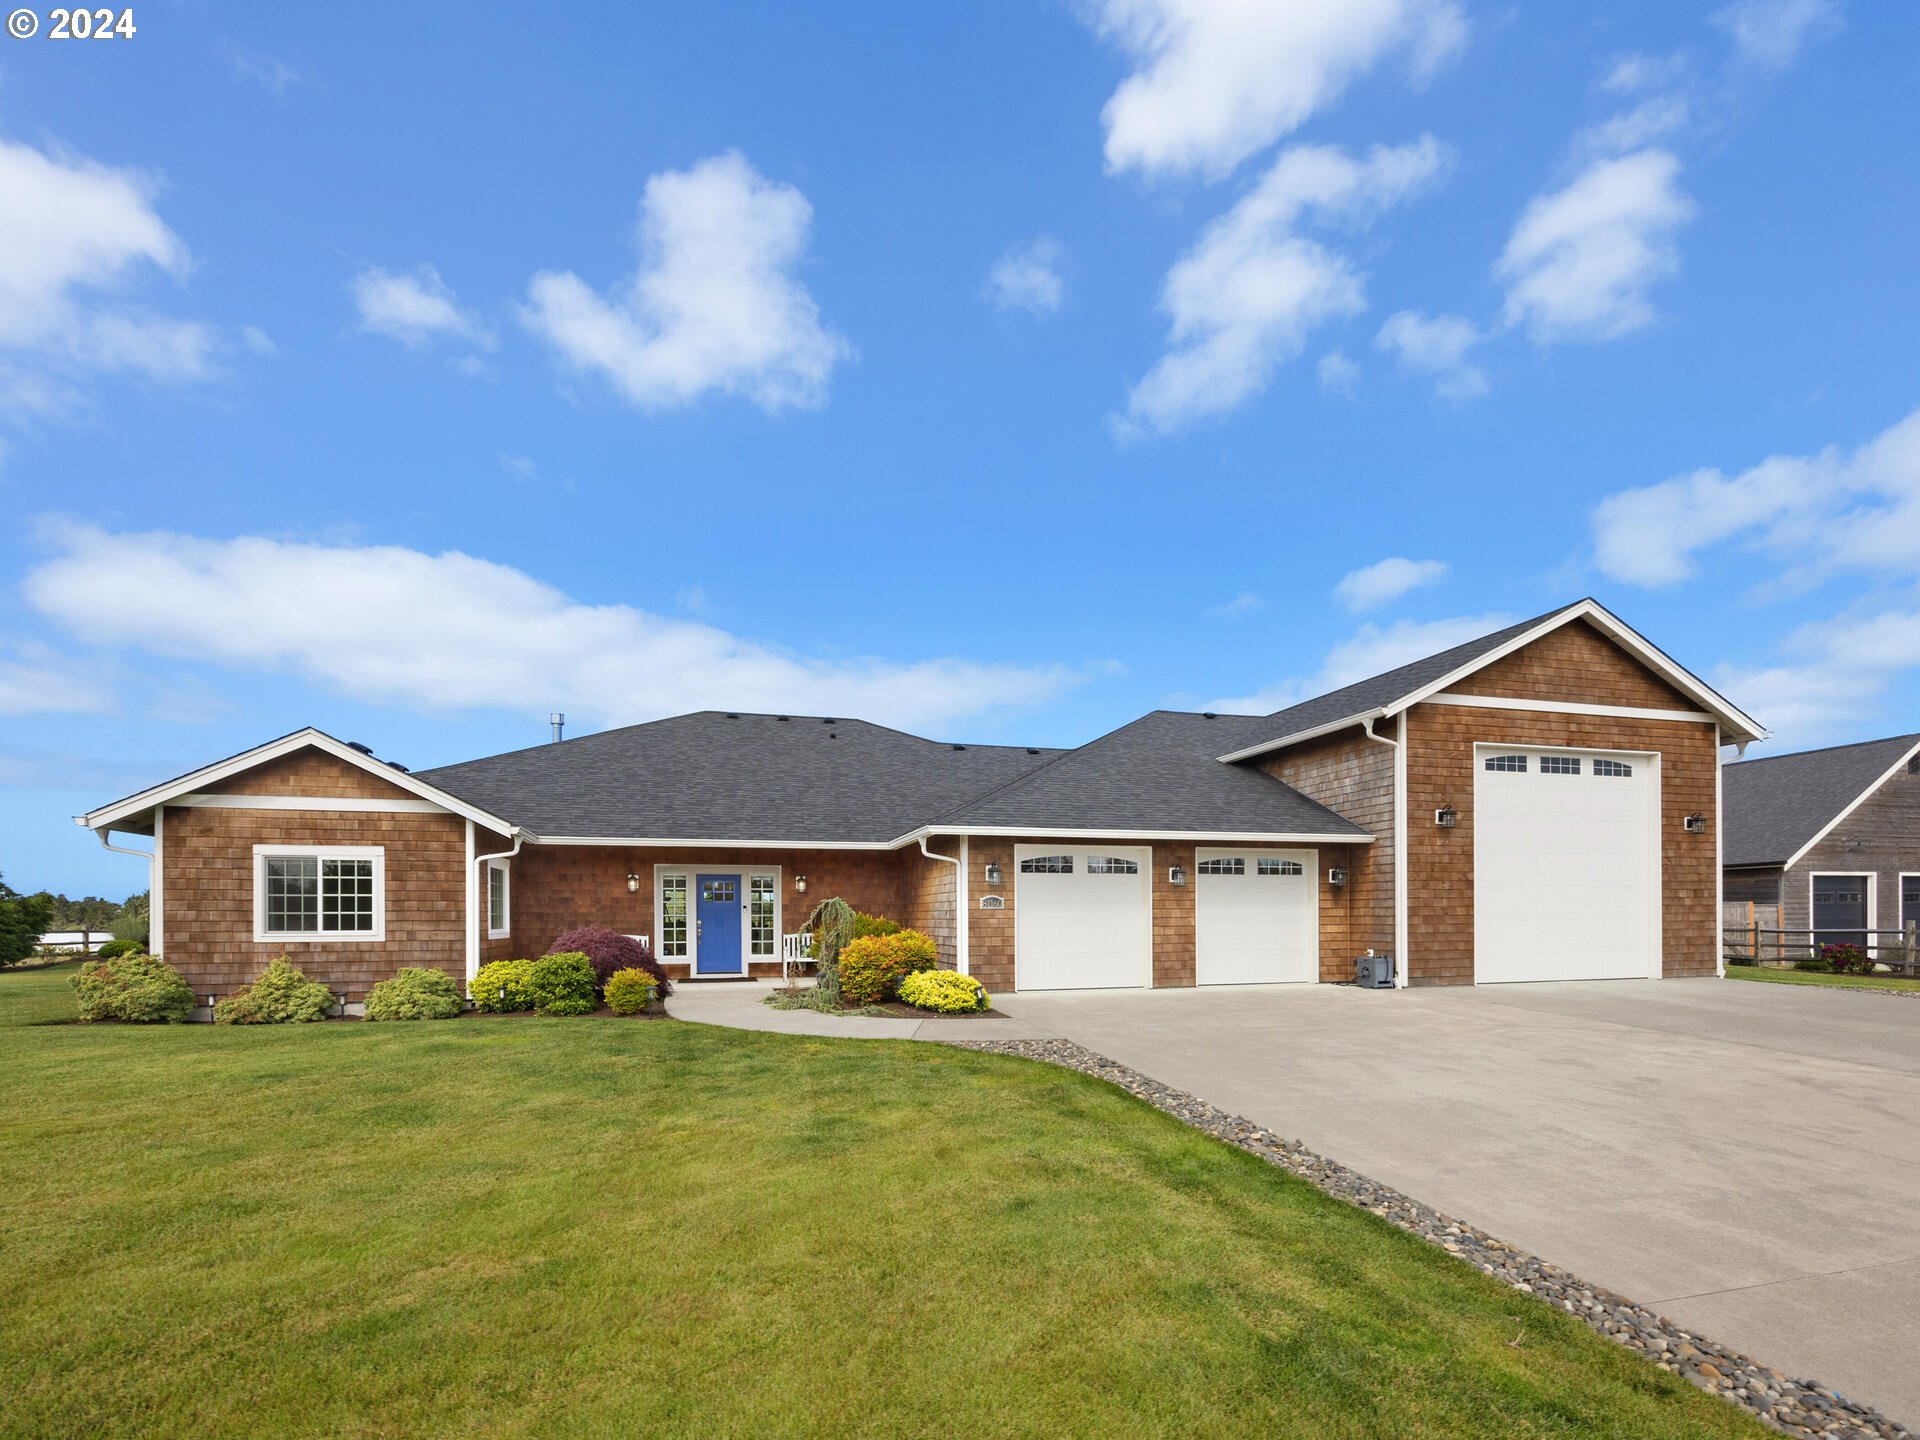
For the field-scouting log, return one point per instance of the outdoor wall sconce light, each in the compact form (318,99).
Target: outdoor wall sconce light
(1445,816)
(993,872)
(1176,875)
(633,883)
(1696,823)
(799,884)
(1336,875)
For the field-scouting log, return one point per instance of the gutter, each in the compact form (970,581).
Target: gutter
(1399,841)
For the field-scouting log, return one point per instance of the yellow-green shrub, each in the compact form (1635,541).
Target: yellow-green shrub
(414,994)
(514,977)
(143,989)
(628,992)
(872,967)
(281,995)
(946,991)
(563,985)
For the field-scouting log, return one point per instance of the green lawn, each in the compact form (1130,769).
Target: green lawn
(1838,982)
(517,1227)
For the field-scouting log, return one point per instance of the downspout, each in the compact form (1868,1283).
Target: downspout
(960,914)
(1399,842)
(474,871)
(155,935)
(1720,868)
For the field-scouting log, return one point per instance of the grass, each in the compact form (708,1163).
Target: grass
(1807,977)
(517,1227)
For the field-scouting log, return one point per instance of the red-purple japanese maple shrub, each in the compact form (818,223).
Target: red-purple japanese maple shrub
(609,951)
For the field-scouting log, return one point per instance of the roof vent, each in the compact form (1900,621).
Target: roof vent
(356,745)
(1032,751)
(733,715)
(1208,715)
(829,721)
(783,717)
(959,747)
(398,766)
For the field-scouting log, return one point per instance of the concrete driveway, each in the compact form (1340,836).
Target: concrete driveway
(1743,1158)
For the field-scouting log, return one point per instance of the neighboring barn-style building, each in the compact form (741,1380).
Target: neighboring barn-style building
(1539,803)
(1826,841)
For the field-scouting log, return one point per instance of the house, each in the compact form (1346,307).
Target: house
(1825,840)
(1538,803)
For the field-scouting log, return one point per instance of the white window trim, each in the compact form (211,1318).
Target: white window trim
(505,871)
(1872,877)
(263,936)
(742,875)
(1900,899)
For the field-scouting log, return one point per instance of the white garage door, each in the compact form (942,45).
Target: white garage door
(1256,915)
(1566,864)
(1082,919)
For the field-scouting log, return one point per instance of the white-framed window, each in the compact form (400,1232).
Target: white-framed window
(1515,763)
(1559,764)
(1047,865)
(499,901)
(1618,769)
(763,936)
(1111,865)
(1280,867)
(319,892)
(673,917)
(1233,866)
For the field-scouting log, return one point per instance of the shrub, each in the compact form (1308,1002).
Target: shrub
(607,951)
(141,988)
(282,995)
(831,925)
(1813,964)
(865,925)
(946,991)
(872,968)
(630,991)
(415,994)
(1846,959)
(114,949)
(511,976)
(133,921)
(563,985)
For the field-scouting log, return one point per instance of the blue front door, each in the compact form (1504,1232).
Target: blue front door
(718,943)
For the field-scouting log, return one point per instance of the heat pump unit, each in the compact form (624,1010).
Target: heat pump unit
(1373,972)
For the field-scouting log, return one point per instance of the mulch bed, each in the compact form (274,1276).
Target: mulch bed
(658,1012)
(909,1012)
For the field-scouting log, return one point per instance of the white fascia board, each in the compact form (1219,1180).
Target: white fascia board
(1300,737)
(1231,837)
(108,816)
(685,840)
(1857,801)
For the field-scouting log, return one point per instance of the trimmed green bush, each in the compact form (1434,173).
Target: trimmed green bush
(865,925)
(141,988)
(630,991)
(512,977)
(872,968)
(281,996)
(415,994)
(114,949)
(945,991)
(563,985)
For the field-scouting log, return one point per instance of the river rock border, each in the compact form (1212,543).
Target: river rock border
(1792,1406)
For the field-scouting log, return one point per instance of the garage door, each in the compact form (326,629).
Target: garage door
(1256,917)
(1082,919)
(1566,864)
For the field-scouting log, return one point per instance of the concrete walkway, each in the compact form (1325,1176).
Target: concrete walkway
(1744,1158)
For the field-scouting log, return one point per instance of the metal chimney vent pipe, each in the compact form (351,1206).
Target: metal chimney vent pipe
(559,723)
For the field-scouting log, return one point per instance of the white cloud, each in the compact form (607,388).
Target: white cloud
(1652,119)
(416,622)
(416,308)
(1769,34)
(1245,298)
(75,238)
(40,682)
(1823,512)
(1245,603)
(1438,346)
(1338,374)
(1833,675)
(1028,278)
(1581,261)
(715,305)
(1370,650)
(1638,73)
(1385,581)
(272,73)
(1220,80)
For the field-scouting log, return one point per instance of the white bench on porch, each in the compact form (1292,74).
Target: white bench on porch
(794,950)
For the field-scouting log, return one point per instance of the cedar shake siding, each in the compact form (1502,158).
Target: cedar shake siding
(1349,773)
(1575,664)
(1881,836)
(558,887)
(931,890)
(309,772)
(207,894)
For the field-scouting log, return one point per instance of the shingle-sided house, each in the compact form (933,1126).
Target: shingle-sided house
(1825,840)
(1539,803)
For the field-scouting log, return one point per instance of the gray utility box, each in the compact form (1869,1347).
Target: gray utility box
(1373,972)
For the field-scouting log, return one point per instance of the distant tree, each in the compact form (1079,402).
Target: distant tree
(132,922)
(23,920)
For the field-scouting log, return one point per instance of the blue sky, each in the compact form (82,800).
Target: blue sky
(998,370)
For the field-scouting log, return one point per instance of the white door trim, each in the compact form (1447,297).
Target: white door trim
(742,876)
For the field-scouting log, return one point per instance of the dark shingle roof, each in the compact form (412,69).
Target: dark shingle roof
(1772,807)
(1158,773)
(1363,697)
(713,776)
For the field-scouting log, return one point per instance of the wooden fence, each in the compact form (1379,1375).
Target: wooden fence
(1897,951)
(72,942)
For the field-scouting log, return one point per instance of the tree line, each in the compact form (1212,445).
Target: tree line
(25,918)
